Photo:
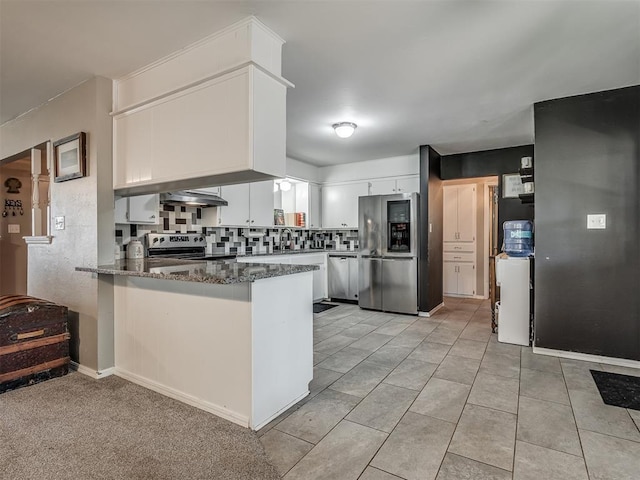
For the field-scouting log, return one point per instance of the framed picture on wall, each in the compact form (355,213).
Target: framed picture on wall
(512,185)
(70,157)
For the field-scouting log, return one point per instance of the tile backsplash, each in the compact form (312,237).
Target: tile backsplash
(238,240)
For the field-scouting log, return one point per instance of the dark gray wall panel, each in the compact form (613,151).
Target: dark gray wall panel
(487,163)
(430,262)
(588,281)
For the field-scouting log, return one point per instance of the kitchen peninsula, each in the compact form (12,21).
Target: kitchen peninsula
(234,339)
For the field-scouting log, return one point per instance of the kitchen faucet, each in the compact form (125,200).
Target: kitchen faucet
(282,241)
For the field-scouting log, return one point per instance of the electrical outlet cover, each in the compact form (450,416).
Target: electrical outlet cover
(596,221)
(14,228)
(59,223)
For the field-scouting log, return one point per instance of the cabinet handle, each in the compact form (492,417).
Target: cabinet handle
(247,221)
(252,221)
(457,257)
(152,216)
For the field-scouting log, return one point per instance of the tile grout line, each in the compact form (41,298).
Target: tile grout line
(575,420)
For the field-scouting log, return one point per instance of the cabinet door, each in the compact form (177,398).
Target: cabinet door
(466,279)
(261,203)
(338,277)
(144,209)
(408,185)
(352,291)
(450,278)
(450,214)
(382,187)
(314,206)
(237,212)
(466,213)
(121,209)
(340,204)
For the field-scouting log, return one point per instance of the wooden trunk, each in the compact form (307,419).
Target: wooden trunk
(34,341)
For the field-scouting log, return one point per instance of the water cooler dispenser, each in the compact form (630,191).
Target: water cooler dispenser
(513,275)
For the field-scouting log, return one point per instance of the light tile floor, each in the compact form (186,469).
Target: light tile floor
(403,397)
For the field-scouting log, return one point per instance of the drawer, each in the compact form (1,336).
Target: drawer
(459,257)
(459,247)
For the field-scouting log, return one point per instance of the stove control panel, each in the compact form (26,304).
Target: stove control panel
(175,240)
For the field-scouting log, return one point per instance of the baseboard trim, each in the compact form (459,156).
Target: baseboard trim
(90,372)
(284,409)
(587,357)
(227,414)
(431,312)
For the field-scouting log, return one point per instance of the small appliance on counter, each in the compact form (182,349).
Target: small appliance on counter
(135,250)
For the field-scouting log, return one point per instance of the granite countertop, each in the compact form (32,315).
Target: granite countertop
(219,272)
(345,253)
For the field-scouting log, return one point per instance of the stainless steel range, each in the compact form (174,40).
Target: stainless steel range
(188,246)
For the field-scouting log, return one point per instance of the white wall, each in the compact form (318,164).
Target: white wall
(87,205)
(380,168)
(302,171)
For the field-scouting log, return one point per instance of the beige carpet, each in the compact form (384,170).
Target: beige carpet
(75,427)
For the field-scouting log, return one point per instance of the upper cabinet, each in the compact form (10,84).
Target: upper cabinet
(138,209)
(459,222)
(250,205)
(399,185)
(215,113)
(340,204)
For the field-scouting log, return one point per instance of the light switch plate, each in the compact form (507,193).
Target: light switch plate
(14,228)
(596,221)
(59,223)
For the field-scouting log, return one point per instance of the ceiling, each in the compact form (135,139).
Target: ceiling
(458,75)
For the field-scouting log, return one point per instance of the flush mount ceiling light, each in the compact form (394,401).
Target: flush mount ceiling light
(285,186)
(344,129)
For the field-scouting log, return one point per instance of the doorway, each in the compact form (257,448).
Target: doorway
(20,214)
(467,236)
(15,223)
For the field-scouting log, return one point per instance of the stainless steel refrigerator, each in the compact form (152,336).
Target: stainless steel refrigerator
(388,260)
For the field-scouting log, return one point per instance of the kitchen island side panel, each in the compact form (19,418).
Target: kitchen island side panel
(190,341)
(587,281)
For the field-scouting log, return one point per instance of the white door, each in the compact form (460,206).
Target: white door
(261,203)
(466,213)
(237,212)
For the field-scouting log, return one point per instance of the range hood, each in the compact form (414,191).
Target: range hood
(187,198)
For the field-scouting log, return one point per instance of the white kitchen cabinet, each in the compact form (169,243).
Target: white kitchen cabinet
(382,187)
(394,185)
(459,240)
(250,204)
(343,277)
(459,279)
(408,185)
(315,206)
(340,204)
(459,220)
(232,127)
(138,209)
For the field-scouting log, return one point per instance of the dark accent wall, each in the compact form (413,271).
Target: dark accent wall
(487,163)
(430,260)
(588,281)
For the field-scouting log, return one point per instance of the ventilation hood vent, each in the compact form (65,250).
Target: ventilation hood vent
(186,198)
